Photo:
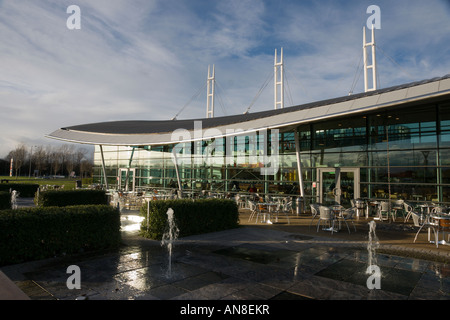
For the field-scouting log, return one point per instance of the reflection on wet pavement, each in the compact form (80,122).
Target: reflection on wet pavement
(243,263)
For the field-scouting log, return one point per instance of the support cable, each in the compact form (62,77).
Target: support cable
(289,95)
(193,98)
(357,75)
(219,98)
(395,62)
(259,92)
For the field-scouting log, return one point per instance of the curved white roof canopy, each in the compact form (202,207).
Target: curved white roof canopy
(140,133)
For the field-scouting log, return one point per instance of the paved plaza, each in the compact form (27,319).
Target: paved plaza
(252,262)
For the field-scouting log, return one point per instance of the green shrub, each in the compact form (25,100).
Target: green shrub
(191,217)
(62,198)
(26,190)
(5,200)
(86,181)
(38,233)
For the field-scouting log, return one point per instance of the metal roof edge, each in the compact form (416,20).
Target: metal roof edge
(75,134)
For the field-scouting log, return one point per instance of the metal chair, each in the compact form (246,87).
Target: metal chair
(408,210)
(254,211)
(314,212)
(439,209)
(428,224)
(239,201)
(360,206)
(348,215)
(383,211)
(444,226)
(285,208)
(325,215)
(397,206)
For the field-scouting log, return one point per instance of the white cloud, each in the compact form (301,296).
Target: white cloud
(145,59)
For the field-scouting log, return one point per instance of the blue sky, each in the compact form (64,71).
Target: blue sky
(145,60)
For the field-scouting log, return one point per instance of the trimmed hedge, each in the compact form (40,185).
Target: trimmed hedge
(26,190)
(62,198)
(38,233)
(5,200)
(191,217)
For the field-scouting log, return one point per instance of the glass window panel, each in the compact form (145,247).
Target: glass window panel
(407,128)
(413,157)
(444,117)
(404,174)
(403,158)
(446,193)
(338,159)
(445,175)
(412,192)
(287,142)
(348,132)
(304,137)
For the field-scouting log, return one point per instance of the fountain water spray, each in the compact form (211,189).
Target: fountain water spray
(373,281)
(169,237)
(372,245)
(14,196)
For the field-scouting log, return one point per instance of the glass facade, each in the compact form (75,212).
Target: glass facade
(216,170)
(401,153)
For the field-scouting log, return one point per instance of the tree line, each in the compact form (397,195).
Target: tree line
(63,160)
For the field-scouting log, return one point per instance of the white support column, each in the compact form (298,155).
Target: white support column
(374,61)
(373,65)
(210,93)
(103,167)
(175,161)
(278,81)
(128,171)
(299,163)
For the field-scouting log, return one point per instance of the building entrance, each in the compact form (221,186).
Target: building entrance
(338,185)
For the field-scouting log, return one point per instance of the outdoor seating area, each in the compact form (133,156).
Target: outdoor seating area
(267,208)
(426,216)
(46,187)
(419,217)
(423,216)
(330,215)
(134,200)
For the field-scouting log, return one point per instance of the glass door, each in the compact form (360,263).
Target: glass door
(338,185)
(327,185)
(127,178)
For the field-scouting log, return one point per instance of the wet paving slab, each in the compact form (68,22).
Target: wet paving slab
(240,264)
(392,279)
(261,255)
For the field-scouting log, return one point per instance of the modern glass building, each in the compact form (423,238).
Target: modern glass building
(389,143)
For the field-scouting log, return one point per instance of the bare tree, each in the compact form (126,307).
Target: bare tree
(67,158)
(53,160)
(40,159)
(86,167)
(80,155)
(56,160)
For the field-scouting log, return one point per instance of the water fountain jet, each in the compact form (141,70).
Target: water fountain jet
(373,281)
(14,196)
(169,237)
(372,246)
